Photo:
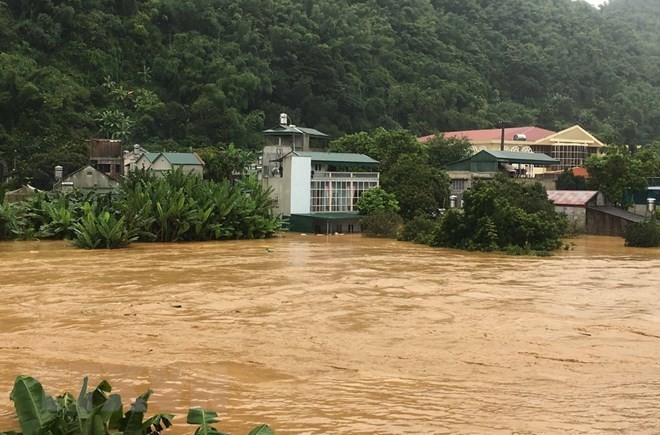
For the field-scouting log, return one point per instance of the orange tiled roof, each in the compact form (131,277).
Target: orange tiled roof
(579,171)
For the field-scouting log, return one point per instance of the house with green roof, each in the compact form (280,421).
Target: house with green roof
(487,164)
(163,162)
(315,189)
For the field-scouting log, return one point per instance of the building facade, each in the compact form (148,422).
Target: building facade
(315,189)
(571,147)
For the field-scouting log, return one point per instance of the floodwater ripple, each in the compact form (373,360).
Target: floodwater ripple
(344,334)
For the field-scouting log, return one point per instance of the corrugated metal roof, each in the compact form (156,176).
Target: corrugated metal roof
(632,217)
(494,134)
(150,156)
(338,158)
(182,158)
(571,197)
(527,158)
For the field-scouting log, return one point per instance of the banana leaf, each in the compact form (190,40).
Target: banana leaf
(36,412)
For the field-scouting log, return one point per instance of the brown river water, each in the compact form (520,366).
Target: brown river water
(343,334)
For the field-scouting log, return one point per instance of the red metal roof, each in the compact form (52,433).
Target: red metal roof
(532,133)
(571,197)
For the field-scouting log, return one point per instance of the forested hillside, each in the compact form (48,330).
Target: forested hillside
(177,74)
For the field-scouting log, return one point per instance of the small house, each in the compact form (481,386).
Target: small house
(485,165)
(163,162)
(87,178)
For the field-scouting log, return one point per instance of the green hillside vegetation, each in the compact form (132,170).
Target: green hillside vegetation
(174,75)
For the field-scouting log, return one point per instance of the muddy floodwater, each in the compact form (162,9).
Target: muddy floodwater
(343,334)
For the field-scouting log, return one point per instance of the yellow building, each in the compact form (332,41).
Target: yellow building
(571,146)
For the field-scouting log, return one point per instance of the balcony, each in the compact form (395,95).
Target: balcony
(363,176)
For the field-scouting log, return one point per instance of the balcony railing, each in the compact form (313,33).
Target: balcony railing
(346,175)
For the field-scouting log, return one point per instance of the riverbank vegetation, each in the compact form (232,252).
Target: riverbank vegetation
(498,215)
(98,412)
(174,207)
(643,234)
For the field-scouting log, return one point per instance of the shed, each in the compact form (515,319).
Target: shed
(20,194)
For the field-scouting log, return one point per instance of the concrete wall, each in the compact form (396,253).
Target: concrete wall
(577,215)
(604,224)
(89,178)
(301,177)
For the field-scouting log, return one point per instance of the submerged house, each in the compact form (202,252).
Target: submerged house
(315,189)
(485,165)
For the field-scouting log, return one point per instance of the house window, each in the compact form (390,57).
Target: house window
(350,229)
(458,185)
(337,195)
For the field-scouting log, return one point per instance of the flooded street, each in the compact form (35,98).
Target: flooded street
(343,334)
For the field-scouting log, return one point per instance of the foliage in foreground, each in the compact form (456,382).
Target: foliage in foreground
(643,234)
(97,412)
(174,207)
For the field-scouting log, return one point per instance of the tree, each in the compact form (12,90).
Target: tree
(226,162)
(569,181)
(618,174)
(443,150)
(377,200)
(503,214)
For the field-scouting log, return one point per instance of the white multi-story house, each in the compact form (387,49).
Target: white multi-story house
(316,189)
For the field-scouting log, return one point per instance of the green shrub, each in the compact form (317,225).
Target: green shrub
(420,229)
(102,229)
(377,200)
(381,224)
(643,234)
(500,214)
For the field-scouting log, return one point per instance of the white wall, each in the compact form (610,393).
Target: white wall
(301,178)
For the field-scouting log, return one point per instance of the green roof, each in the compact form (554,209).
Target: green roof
(174,158)
(182,158)
(287,130)
(329,216)
(349,159)
(151,156)
(483,160)
(529,158)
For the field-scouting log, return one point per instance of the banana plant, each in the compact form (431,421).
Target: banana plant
(98,412)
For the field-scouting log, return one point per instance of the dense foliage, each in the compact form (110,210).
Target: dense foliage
(501,213)
(406,169)
(207,73)
(174,207)
(621,172)
(643,234)
(377,200)
(97,412)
